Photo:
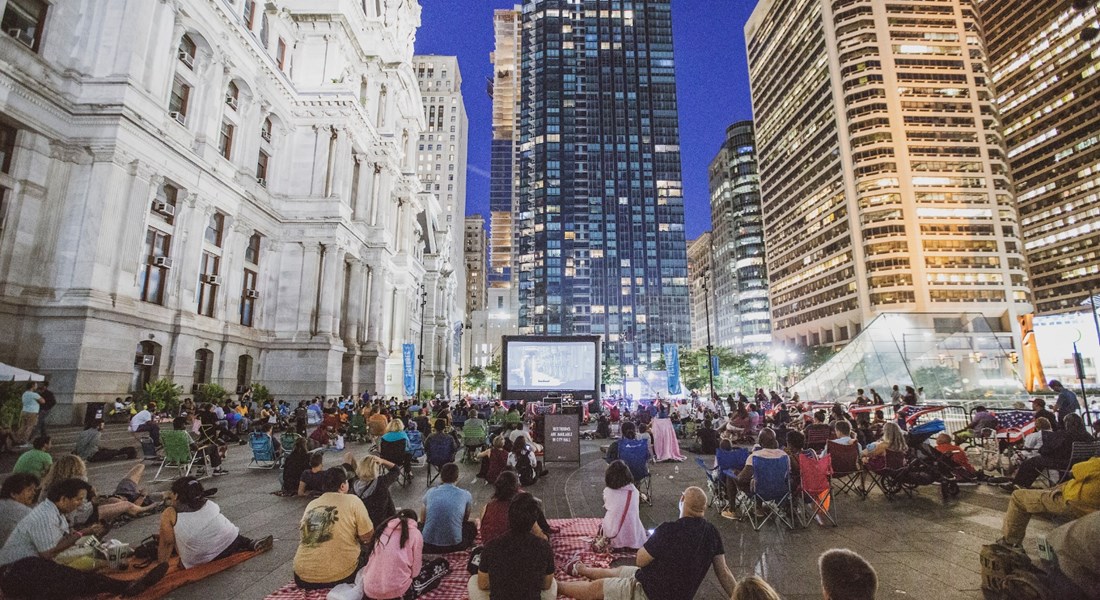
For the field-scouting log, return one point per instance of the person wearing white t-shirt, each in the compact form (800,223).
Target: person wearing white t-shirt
(195,528)
(144,421)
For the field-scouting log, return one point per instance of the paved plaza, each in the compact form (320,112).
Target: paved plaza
(920,547)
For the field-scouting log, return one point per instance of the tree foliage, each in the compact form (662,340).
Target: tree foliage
(165,393)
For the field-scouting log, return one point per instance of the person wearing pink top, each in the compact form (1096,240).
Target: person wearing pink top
(396,557)
(620,499)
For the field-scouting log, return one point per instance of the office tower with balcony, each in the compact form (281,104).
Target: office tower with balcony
(739,281)
(700,255)
(504,90)
(474,250)
(883,174)
(600,208)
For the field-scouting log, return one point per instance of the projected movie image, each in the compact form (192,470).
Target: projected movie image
(549,366)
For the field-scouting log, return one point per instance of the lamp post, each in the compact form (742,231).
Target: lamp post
(710,347)
(420,349)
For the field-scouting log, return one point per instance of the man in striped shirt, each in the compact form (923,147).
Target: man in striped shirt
(27,560)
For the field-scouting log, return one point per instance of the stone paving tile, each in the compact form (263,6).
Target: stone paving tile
(921,547)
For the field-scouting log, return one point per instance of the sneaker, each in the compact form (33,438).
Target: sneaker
(1009,487)
(147,580)
(729,514)
(219,471)
(1014,547)
(573,565)
(263,545)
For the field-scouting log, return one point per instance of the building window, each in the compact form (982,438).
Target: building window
(165,202)
(225,139)
(261,168)
(232,95)
(265,130)
(154,273)
(204,360)
(208,283)
(24,19)
(248,298)
(263,29)
(178,101)
(7,146)
(280,55)
(214,229)
(187,51)
(249,13)
(252,252)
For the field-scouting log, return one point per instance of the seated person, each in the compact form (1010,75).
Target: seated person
(416,440)
(957,456)
(522,458)
(312,480)
(88,448)
(493,460)
(36,461)
(334,528)
(1076,566)
(842,431)
(664,570)
(212,452)
(818,433)
(629,431)
(129,488)
(1055,453)
(446,515)
(394,444)
(740,424)
(27,560)
(145,421)
(396,562)
(754,588)
(981,419)
(1033,441)
(1075,498)
(845,575)
(195,528)
(440,443)
(520,563)
(494,516)
(473,430)
(276,446)
(766,447)
(1040,407)
(374,476)
(708,438)
(892,439)
(17,498)
(621,500)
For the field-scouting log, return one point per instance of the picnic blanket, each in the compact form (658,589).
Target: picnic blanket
(573,537)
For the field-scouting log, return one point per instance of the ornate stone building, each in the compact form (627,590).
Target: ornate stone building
(212,191)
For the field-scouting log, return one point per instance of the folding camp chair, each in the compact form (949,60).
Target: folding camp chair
(416,443)
(714,485)
(263,451)
(771,489)
(887,477)
(1079,452)
(178,454)
(846,468)
(396,452)
(437,456)
(635,453)
(817,490)
(473,440)
(357,428)
(817,435)
(148,448)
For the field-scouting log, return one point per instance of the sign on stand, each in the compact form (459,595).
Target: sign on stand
(562,437)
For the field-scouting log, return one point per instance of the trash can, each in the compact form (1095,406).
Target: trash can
(93,411)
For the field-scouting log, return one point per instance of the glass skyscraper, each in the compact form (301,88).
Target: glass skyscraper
(600,212)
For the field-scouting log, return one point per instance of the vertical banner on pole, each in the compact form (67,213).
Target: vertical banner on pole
(714,365)
(408,352)
(672,364)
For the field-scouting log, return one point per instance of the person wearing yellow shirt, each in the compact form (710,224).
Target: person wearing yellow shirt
(1074,498)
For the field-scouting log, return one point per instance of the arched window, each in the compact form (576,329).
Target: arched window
(146,365)
(244,373)
(187,51)
(204,362)
(232,95)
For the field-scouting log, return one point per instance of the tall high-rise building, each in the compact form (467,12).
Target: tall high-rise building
(740,277)
(474,250)
(600,207)
(507,25)
(1048,87)
(701,263)
(883,173)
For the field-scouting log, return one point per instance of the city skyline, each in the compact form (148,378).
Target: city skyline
(711,76)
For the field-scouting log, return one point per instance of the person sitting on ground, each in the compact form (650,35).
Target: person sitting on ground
(88,448)
(374,476)
(1074,498)
(843,432)
(446,515)
(98,508)
(892,439)
(845,575)
(708,438)
(145,421)
(396,560)
(129,488)
(740,424)
(1033,441)
(296,463)
(1055,453)
(1075,567)
(27,560)
(195,528)
(754,588)
(621,499)
(664,570)
(36,461)
(523,460)
(17,497)
(494,516)
(312,480)
(334,527)
(520,563)
(493,460)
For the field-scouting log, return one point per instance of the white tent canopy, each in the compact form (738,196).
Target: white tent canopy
(10,373)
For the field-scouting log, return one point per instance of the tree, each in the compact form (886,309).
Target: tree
(474,379)
(492,372)
(611,372)
(211,393)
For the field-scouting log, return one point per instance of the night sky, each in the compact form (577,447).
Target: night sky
(711,76)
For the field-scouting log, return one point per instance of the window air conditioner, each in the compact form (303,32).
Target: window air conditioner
(164,208)
(23,36)
(212,279)
(266,135)
(178,116)
(161,261)
(251,294)
(231,101)
(262,181)
(187,59)
(147,359)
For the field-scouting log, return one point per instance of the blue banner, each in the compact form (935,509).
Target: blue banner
(409,370)
(714,365)
(672,365)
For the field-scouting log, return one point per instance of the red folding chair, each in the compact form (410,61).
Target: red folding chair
(847,472)
(817,489)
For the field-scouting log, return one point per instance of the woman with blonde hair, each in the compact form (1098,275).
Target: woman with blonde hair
(375,476)
(892,439)
(71,466)
(754,588)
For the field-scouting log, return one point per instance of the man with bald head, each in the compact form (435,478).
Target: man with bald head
(671,564)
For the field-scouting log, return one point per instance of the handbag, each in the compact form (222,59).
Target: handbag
(474,563)
(601,544)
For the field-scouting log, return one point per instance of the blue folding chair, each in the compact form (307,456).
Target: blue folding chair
(635,453)
(714,485)
(731,461)
(771,489)
(263,451)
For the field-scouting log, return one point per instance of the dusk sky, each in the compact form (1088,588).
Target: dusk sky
(711,76)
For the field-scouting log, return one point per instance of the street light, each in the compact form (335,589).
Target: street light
(710,347)
(420,355)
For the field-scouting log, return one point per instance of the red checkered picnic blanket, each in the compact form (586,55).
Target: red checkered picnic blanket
(574,537)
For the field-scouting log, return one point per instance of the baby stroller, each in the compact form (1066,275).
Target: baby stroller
(935,467)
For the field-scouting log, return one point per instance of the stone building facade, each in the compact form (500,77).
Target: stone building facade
(212,191)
